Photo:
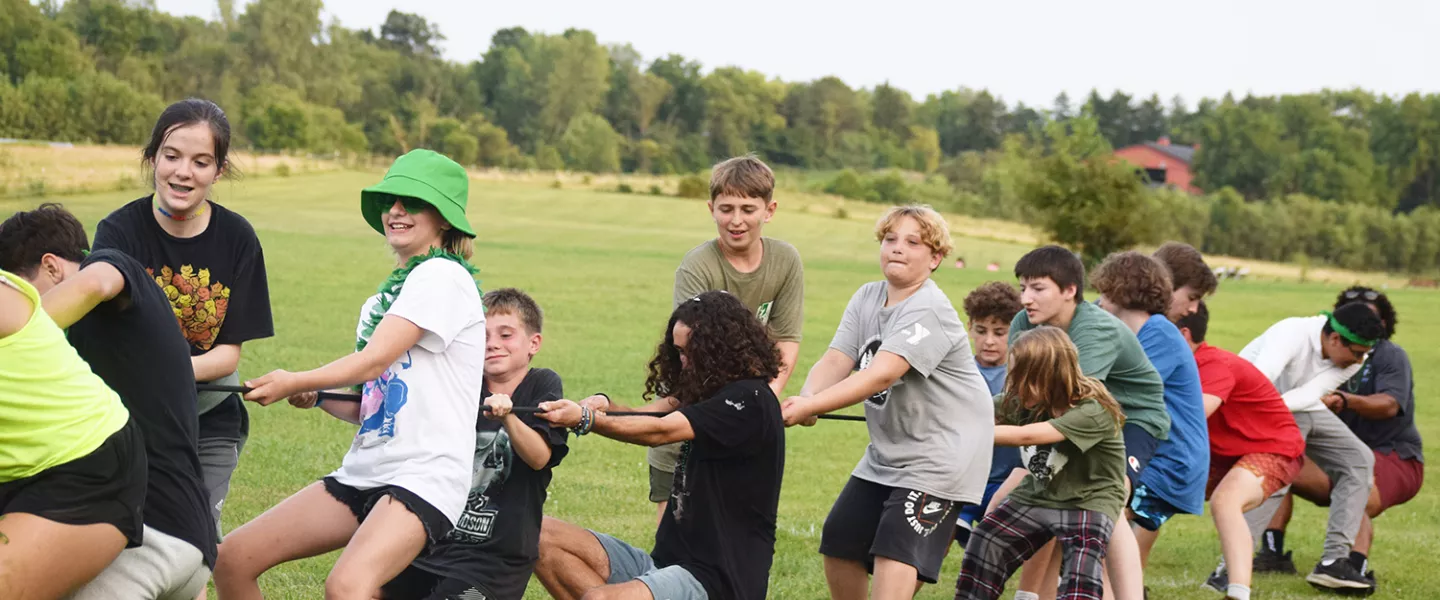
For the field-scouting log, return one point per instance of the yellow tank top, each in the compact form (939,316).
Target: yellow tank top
(53,409)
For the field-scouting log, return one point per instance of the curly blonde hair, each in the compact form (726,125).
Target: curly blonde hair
(934,231)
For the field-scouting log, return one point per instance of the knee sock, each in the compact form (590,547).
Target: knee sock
(1274,540)
(1360,561)
(1024,595)
(1237,592)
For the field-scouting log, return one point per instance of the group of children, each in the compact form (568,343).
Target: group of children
(1051,432)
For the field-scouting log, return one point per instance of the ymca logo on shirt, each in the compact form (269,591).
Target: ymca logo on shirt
(763,313)
(867,356)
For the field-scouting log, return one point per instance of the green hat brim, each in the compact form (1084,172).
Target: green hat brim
(373,202)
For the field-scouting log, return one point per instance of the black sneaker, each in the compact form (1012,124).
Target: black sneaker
(1219,580)
(1267,561)
(1340,576)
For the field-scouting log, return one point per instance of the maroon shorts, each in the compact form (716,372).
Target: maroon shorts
(1397,479)
(1275,471)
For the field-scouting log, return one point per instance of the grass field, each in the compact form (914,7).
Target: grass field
(602,265)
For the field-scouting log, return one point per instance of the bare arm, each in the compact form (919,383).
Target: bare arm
(604,403)
(644,431)
(789,352)
(348,412)
(392,338)
(77,296)
(526,442)
(1212,404)
(1034,434)
(832,368)
(881,374)
(15,311)
(1374,407)
(221,360)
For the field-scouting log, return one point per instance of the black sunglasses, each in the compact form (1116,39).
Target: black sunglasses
(1370,295)
(412,205)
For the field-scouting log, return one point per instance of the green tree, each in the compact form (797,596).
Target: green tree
(589,144)
(892,108)
(1081,198)
(575,72)
(1240,148)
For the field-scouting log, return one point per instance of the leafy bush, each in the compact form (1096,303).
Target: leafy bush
(693,186)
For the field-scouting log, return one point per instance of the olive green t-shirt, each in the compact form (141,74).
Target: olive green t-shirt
(775,291)
(1086,471)
(1110,352)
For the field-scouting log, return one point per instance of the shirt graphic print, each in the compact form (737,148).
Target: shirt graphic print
(1043,462)
(380,403)
(493,458)
(867,356)
(199,303)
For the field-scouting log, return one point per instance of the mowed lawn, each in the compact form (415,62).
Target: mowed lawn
(602,266)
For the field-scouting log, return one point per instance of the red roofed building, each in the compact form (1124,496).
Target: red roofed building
(1164,163)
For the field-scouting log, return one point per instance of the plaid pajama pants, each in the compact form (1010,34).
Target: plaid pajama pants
(1013,532)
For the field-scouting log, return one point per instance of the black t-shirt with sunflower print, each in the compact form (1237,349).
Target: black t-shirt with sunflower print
(215,282)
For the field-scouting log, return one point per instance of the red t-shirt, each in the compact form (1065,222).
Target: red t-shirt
(1253,417)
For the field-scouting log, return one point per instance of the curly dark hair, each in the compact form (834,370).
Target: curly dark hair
(1134,281)
(727,344)
(993,299)
(1360,293)
(27,236)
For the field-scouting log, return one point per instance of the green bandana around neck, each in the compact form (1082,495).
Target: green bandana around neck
(390,290)
(1344,331)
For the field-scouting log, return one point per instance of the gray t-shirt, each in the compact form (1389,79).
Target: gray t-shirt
(933,429)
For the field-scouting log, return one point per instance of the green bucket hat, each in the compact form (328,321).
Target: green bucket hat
(428,176)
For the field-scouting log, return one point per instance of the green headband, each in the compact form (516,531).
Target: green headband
(1344,331)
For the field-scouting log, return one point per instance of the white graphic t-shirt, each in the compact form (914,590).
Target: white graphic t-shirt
(417,421)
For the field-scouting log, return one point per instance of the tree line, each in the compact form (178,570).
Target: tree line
(101,70)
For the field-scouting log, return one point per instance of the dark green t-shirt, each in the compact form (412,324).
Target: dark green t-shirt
(1085,471)
(1110,352)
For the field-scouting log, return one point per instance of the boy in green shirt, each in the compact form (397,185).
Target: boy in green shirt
(1052,281)
(765,274)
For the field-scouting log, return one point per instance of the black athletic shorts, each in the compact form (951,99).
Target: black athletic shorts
(906,526)
(418,584)
(437,526)
(104,486)
(1140,447)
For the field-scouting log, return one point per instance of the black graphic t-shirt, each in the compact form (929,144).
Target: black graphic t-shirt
(720,523)
(133,343)
(215,283)
(496,541)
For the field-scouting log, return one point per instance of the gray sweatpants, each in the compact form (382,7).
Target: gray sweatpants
(218,459)
(1351,467)
(163,568)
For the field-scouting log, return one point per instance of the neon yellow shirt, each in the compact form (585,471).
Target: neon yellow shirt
(53,409)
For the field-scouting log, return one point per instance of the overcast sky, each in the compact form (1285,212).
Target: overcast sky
(1020,50)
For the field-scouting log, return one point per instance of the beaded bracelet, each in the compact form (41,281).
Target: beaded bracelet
(587,420)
